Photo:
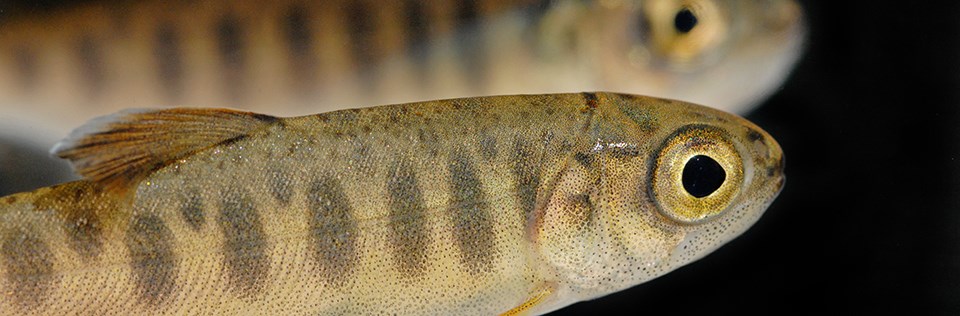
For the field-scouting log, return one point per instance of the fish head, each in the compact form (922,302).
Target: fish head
(707,177)
(668,183)
(728,54)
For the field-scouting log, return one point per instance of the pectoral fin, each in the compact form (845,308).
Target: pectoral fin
(537,297)
(118,150)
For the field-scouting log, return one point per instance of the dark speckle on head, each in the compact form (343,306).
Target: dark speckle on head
(590,99)
(584,159)
(150,244)
(28,263)
(643,118)
(753,135)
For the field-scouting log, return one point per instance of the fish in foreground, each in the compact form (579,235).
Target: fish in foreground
(490,205)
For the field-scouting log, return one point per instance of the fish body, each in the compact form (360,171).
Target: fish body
(300,57)
(511,204)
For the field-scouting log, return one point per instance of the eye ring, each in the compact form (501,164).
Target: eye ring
(685,34)
(696,151)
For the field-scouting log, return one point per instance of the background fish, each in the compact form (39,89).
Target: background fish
(537,202)
(61,67)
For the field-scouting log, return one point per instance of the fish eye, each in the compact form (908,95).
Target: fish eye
(697,174)
(684,34)
(702,176)
(685,21)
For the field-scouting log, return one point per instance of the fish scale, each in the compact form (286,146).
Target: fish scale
(242,213)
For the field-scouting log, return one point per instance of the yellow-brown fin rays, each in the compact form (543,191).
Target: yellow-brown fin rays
(118,150)
(538,296)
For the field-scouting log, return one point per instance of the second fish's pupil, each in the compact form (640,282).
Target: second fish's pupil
(685,21)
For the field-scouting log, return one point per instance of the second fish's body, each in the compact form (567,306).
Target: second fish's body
(294,57)
(512,204)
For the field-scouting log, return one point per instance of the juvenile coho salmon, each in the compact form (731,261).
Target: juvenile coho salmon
(510,204)
(292,57)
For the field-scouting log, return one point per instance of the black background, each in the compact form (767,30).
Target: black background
(868,221)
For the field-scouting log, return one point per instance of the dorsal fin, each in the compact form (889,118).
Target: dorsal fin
(119,150)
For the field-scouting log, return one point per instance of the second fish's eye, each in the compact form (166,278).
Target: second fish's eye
(684,21)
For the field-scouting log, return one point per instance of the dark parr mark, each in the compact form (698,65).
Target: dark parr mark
(584,159)
(91,65)
(527,170)
(26,68)
(468,11)
(333,230)
(280,185)
(471,43)
(417,27)
(472,221)
(488,147)
(418,34)
(230,43)
(245,247)
(296,27)
(410,236)
(590,99)
(79,204)
(29,265)
(191,208)
(361,34)
(299,36)
(153,262)
(169,61)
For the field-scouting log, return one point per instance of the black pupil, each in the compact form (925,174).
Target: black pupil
(702,175)
(685,21)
